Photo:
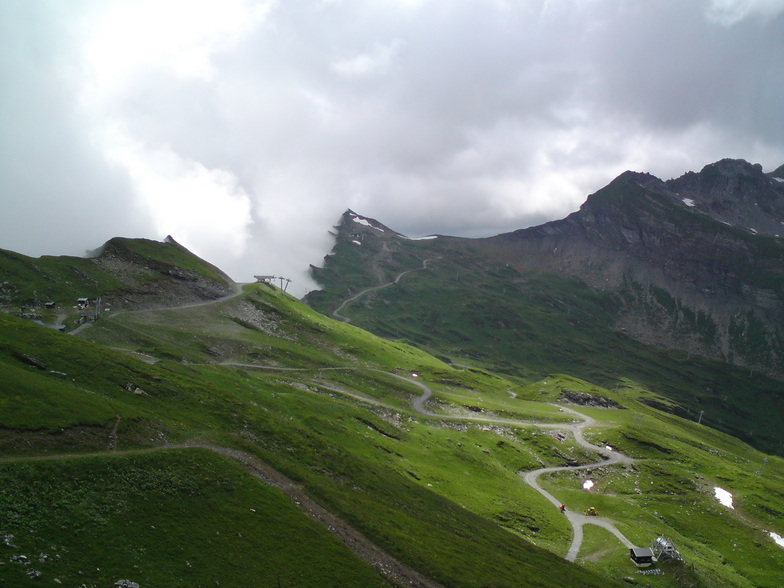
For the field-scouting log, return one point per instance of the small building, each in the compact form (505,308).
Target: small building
(641,556)
(82,302)
(49,304)
(265,279)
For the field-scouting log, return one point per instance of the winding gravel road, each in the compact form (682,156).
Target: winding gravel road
(576,520)
(345,319)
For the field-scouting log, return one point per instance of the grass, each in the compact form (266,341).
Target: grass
(669,491)
(527,326)
(441,494)
(124,271)
(319,438)
(172,518)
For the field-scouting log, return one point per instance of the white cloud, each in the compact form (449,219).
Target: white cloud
(181,36)
(730,12)
(376,61)
(205,209)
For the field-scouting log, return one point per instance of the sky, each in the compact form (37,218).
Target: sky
(245,128)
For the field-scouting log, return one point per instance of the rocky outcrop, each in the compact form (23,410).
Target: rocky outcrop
(737,193)
(151,274)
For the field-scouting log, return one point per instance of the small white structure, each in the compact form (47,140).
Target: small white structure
(663,548)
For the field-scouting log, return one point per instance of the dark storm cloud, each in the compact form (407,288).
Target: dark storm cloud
(245,129)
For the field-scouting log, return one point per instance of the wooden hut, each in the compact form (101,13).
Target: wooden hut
(641,556)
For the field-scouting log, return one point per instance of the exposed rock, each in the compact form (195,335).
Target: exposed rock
(31,361)
(587,399)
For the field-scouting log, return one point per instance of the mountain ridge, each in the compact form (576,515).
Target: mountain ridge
(126,273)
(636,281)
(637,234)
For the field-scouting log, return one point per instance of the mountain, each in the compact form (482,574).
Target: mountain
(683,258)
(125,273)
(186,437)
(661,281)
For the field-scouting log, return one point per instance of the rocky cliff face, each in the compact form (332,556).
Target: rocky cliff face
(695,263)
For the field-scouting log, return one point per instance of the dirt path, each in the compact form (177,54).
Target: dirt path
(345,319)
(607,457)
(392,569)
(361,546)
(576,520)
(237,287)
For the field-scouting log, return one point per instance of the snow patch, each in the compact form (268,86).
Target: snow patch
(357,242)
(688,202)
(427,238)
(753,230)
(724,497)
(588,484)
(777,538)
(779,179)
(367,223)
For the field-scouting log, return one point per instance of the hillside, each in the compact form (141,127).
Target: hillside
(250,440)
(258,375)
(641,282)
(124,273)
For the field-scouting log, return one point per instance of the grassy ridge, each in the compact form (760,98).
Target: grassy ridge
(119,267)
(27,280)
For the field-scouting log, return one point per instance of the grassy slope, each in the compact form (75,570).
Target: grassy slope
(529,325)
(169,518)
(318,440)
(436,493)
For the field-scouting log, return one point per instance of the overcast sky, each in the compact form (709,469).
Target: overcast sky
(244,128)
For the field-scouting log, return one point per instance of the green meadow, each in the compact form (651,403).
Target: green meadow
(95,476)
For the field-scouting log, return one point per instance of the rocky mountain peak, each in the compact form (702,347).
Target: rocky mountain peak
(735,192)
(696,242)
(359,225)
